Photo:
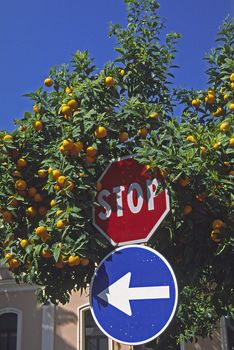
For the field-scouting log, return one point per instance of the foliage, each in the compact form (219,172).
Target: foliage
(81,119)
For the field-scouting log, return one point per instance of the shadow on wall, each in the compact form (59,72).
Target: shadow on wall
(61,344)
(64,316)
(65,338)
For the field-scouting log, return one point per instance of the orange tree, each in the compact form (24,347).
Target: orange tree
(80,120)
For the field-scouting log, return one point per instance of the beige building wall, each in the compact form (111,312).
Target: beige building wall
(22,299)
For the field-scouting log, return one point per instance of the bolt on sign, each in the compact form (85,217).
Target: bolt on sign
(129,208)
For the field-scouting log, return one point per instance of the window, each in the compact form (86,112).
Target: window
(94,338)
(8,331)
(91,337)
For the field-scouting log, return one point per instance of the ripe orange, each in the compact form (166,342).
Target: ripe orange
(154,115)
(217,224)
(77,148)
(68,90)
(232,86)
(7,216)
(232,77)
(142,132)
(21,185)
(41,173)
(16,173)
(61,180)
(226,164)
(59,212)
(187,209)
(66,110)
(48,82)
(191,138)
(21,163)
(14,263)
(67,144)
(73,104)
(24,243)
(231,142)
(184,181)
(203,149)
(123,136)
(63,151)
(73,260)
(109,81)
(56,173)
(231,106)
(41,230)
(100,132)
(225,97)
(216,146)
(36,108)
(122,72)
(9,256)
(53,202)
(196,102)
(225,126)
(8,138)
(91,151)
(212,92)
(219,111)
(61,224)
(210,98)
(57,188)
(46,253)
(31,211)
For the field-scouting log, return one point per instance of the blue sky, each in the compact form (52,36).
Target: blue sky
(36,35)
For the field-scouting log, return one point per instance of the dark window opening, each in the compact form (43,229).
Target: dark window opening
(8,331)
(94,338)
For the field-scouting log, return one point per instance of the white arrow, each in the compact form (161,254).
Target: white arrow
(118,294)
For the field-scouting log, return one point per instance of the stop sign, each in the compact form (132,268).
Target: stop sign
(129,210)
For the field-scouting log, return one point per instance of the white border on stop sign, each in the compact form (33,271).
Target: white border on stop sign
(151,231)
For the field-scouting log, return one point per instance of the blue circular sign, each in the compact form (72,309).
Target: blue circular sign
(133,294)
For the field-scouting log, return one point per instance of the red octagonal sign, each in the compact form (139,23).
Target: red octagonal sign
(129,210)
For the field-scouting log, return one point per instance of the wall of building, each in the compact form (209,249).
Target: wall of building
(24,300)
